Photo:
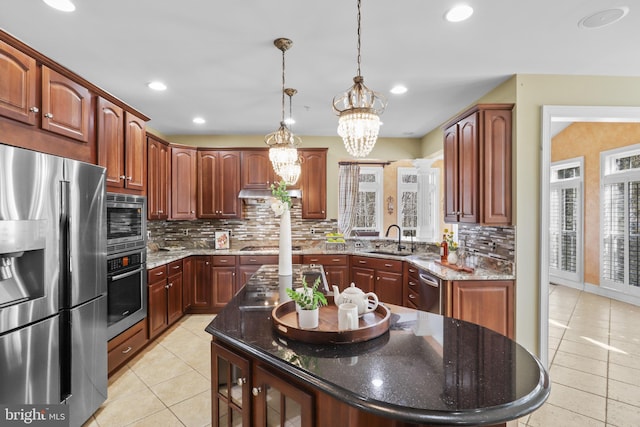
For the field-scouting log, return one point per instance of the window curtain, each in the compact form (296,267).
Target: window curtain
(348,196)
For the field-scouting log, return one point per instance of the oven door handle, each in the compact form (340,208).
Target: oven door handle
(123,275)
(429,281)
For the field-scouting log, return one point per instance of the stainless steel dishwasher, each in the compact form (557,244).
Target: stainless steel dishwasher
(430,292)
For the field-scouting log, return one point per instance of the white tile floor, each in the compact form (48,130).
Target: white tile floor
(594,352)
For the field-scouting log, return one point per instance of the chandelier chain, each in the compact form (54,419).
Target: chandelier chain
(283,72)
(358,60)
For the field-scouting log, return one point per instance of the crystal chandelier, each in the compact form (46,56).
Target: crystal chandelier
(282,143)
(358,108)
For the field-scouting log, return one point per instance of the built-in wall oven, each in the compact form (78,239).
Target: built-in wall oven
(126,222)
(126,261)
(126,291)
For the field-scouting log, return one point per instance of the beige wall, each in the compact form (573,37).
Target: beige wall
(385,149)
(588,140)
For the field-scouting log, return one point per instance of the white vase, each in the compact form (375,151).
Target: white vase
(452,258)
(284,253)
(308,319)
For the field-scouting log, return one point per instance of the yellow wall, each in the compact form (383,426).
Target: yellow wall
(588,140)
(385,149)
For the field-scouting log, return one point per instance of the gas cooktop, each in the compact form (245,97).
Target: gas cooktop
(267,248)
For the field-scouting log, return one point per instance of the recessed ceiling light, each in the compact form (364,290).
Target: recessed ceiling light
(398,90)
(63,5)
(159,86)
(199,120)
(603,18)
(459,13)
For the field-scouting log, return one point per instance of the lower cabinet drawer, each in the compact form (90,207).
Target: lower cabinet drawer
(124,346)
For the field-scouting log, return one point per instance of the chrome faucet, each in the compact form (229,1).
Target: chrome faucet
(400,246)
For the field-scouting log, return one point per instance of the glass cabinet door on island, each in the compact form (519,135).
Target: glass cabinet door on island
(279,403)
(231,400)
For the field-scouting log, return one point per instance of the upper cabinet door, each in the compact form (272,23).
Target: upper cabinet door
(65,106)
(135,152)
(229,185)
(17,85)
(208,184)
(314,183)
(183,183)
(257,172)
(111,142)
(468,152)
(451,174)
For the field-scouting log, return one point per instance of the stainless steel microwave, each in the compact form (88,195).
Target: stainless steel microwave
(126,222)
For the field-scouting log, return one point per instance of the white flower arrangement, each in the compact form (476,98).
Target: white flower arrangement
(282,200)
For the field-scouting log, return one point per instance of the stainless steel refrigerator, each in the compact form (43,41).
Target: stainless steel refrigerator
(53,305)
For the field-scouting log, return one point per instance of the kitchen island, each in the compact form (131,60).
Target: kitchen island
(426,370)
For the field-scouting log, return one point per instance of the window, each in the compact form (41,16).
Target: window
(368,215)
(565,226)
(620,219)
(408,201)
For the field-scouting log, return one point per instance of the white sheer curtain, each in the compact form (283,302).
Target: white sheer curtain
(348,179)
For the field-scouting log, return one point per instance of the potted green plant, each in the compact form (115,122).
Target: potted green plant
(308,300)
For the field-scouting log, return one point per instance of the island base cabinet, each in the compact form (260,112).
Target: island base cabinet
(247,392)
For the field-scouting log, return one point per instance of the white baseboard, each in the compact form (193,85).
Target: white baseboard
(611,293)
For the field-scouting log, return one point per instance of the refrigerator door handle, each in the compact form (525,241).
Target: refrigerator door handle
(65,244)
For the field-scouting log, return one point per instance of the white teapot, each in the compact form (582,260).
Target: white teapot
(366,302)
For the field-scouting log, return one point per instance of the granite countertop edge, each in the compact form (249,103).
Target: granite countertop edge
(419,260)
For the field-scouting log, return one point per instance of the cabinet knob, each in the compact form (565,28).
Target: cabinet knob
(122,177)
(193,212)
(166,286)
(241,381)
(322,211)
(412,296)
(207,263)
(34,109)
(48,115)
(129,178)
(170,285)
(256,391)
(378,278)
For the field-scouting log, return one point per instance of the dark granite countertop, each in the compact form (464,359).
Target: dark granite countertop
(426,369)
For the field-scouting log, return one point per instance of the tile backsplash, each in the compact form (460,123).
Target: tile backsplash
(259,226)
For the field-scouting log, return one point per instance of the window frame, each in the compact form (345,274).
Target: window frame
(377,188)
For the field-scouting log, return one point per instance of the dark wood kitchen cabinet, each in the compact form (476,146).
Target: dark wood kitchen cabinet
(183,182)
(411,286)
(200,284)
(313,182)
(66,106)
(158,177)
(336,268)
(187,283)
(122,148)
(164,297)
(243,392)
(477,166)
(18,85)
(223,276)
(218,184)
(123,347)
(489,303)
(382,276)
(257,172)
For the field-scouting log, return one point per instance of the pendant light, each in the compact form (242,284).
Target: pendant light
(282,143)
(358,109)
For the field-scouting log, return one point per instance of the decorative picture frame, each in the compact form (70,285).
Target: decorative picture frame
(222,239)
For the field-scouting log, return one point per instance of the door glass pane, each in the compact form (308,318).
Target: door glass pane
(222,413)
(236,390)
(292,413)
(223,376)
(274,416)
(613,233)
(236,420)
(634,233)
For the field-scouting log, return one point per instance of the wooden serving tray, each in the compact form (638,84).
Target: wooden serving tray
(371,325)
(455,267)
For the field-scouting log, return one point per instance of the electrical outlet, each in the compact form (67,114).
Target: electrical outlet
(148,234)
(185,232)
(313,231)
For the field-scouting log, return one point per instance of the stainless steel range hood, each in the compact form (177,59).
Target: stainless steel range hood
(265,194)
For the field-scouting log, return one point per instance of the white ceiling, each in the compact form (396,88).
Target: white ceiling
(219,62)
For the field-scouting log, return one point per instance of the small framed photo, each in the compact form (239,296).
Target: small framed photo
(222,239)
